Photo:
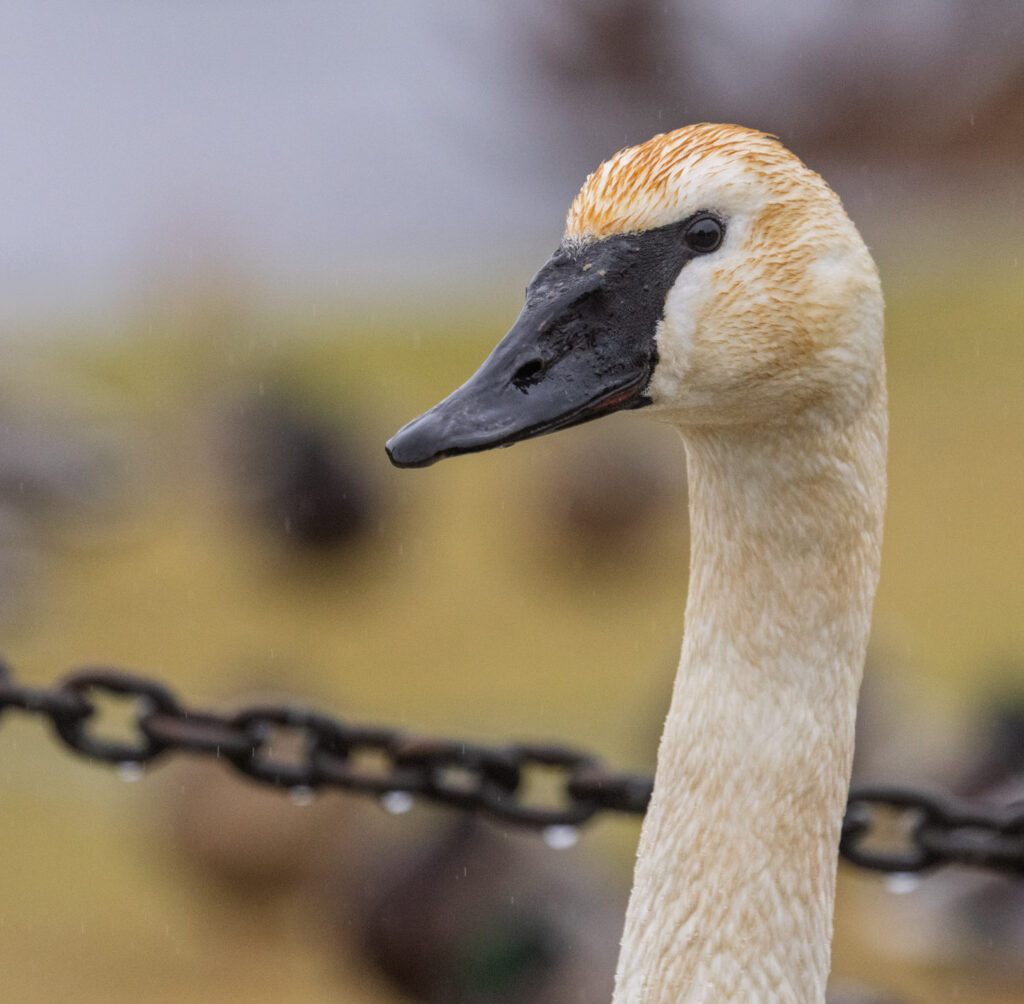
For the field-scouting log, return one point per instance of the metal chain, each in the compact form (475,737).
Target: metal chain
(888,829)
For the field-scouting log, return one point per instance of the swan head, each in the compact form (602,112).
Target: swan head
(707,274)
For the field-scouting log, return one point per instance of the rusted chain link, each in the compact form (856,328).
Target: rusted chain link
(889,829)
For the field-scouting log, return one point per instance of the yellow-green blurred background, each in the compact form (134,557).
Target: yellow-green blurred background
(236,233)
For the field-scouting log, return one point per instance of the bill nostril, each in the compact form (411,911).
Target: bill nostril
(528,374)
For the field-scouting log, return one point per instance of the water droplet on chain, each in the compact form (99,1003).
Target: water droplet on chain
(560,837)
(302,794)
(130,771)
(901,883)
(396,802)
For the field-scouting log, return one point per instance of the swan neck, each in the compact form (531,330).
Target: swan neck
(735,881)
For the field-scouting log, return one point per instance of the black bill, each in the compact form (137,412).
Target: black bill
(583,346)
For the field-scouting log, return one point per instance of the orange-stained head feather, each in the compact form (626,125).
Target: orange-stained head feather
(631,191)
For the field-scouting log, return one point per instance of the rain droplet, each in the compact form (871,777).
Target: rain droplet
(901,883)
(130,770)
(396,802)
(560,837)
(302,794)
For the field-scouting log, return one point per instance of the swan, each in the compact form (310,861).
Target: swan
(710,276)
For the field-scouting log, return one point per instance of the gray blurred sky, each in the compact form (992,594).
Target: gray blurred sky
(304,142)
(316,147)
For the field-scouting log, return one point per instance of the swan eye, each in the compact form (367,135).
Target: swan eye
(704,235)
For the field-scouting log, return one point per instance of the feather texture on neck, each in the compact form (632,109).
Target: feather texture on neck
(734,888)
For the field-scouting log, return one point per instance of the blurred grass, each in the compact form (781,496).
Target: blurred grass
(951,598)
(454,616)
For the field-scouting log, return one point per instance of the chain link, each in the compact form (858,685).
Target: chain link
(888,829)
